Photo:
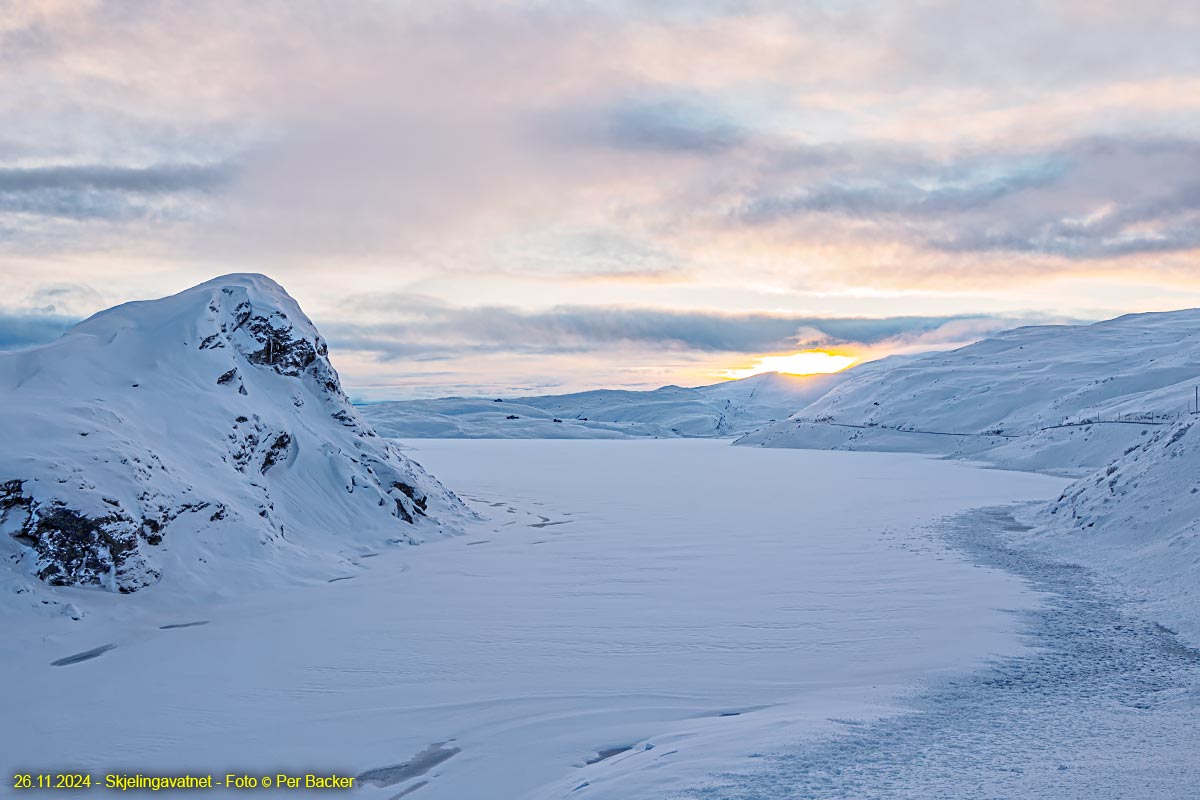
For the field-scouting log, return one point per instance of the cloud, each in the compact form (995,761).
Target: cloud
(104,192)
(24,330)
(424,348)
(424,329)
(159,178)
(744,155)
(920,191)
(671,125)
(434,135)
(1089,199)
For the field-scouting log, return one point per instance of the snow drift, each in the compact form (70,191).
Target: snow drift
(201,437)
(1067,398)
(1138,519)
(723,409)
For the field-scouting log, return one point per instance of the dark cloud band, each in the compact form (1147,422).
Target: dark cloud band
(436,331)
(99,177)
(99,191)
(1084,199)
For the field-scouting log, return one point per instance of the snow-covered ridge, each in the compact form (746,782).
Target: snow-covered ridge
(1139,520)
(201,439)
(1113,403)
(1062,397)
(723,409)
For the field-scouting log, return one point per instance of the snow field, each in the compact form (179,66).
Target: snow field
(662,609)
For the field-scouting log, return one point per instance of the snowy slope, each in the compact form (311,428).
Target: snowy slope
(202,439)
(722,409)
(1138,519)
(1063,397)
(1108,403)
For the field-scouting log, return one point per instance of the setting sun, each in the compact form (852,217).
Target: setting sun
(806,362)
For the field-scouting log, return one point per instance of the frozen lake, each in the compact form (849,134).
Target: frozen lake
(664,609)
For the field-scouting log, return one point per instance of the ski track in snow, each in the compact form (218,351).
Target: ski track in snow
(1104,706)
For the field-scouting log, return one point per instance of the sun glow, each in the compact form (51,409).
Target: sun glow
(806,362)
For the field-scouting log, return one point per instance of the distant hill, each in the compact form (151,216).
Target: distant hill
(723,409)
(1057,397)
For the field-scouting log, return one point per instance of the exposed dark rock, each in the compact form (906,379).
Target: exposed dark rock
(78,549)
(278,451)
(279,349)
(253,442)
(12,496)
(419,500)
(75,549)
(156,517)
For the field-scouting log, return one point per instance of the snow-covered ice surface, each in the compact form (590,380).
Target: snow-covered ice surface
(668,610)
(1103,706)
(1112,404)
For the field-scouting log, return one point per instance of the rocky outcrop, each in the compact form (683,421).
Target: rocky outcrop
(148,467)
(76,549)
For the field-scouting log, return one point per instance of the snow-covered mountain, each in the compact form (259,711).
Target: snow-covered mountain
(200,439)
(1064,397)
(722,409)
(1112,402)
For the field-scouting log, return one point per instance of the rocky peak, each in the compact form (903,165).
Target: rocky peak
(176,431)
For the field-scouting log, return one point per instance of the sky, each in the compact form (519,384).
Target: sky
(505,197)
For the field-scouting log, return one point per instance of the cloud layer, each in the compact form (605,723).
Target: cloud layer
(640,347)
(701,177)
(426,329)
